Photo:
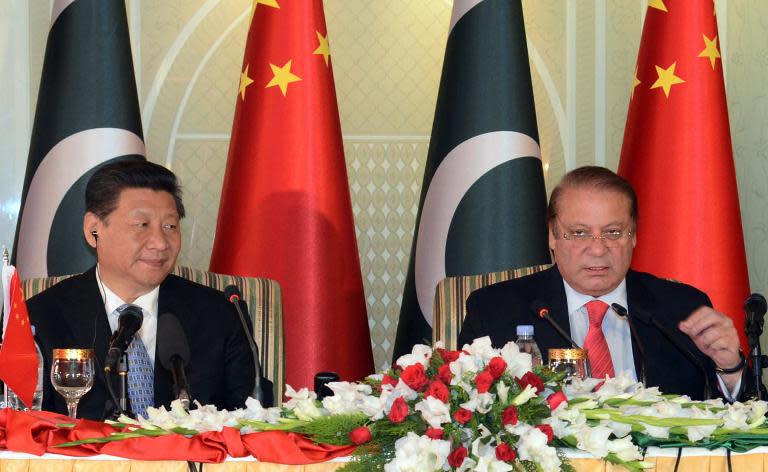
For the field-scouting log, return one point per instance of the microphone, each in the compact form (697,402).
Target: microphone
(173,352)
(542,311)
(128,323)
(233,295)
(622,312)
(649,319)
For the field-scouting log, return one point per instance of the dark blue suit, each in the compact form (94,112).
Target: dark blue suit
(497,309)
(71,314)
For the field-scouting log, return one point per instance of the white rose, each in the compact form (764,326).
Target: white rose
(434,411)
(518,363)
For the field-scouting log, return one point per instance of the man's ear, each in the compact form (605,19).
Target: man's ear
(91,226)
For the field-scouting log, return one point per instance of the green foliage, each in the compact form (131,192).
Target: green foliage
(333,429)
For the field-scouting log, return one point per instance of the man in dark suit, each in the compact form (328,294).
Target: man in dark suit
(133,210)
(592,218)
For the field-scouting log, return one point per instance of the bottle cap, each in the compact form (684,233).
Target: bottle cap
(525,330)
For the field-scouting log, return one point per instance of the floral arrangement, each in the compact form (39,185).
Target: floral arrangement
(479,408)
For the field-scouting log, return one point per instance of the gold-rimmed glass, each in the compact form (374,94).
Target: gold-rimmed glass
(573,362)
(72,375)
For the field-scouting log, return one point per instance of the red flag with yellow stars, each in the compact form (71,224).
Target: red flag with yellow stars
(285,210)
(677,154)
(18,357)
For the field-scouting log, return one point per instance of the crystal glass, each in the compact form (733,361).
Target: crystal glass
(573,362)
(72,375)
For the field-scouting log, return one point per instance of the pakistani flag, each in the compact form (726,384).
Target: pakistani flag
(483,202)
(87,115)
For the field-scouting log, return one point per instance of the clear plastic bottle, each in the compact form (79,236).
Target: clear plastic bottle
(13,401)
(526,343)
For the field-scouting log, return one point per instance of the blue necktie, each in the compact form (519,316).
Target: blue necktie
(141,375)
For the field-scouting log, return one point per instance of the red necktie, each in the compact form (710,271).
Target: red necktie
(594,343)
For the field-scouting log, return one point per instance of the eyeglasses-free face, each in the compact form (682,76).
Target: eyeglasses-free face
(592,239)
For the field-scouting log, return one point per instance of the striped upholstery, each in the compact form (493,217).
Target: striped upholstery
(451,297)
(264,304)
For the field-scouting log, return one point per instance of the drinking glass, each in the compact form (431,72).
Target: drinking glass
(573,362)
(72,375)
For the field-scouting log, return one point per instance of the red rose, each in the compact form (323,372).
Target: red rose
(438,390)
(387,380)
(556,399)
(497,366)
(444,374)
(546,429)
(448,356)
(462,415)
(457,456)
(531,379)
(505,453)
(399,410)
(435,433)
(509,416)
(360,435)
(415,377)
(483,381)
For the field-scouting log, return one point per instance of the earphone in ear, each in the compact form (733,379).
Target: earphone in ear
(95,235)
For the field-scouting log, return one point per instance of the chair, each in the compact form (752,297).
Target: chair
(264,306)
(451,300)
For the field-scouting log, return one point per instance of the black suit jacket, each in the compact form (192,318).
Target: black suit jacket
(497,309)
(71,314)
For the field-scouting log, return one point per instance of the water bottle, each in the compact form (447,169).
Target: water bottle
(13,401)
(526,343)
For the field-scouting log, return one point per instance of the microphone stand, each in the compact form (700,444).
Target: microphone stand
(122,375)
(622,312)
(754,328)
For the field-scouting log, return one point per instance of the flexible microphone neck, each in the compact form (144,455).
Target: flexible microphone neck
(128,323)
(542,311)
(233,295)
(649,319)
(622,312)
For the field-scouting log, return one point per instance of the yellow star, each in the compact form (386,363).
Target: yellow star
(710,50)
(245,81)
(635,83)
(323,47)
(269,3)
(667,78)
(282,77)
(657,4)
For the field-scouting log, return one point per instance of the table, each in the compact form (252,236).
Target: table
(693,460)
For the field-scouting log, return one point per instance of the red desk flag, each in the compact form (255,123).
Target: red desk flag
(677,154)
(285,208)
(18,358)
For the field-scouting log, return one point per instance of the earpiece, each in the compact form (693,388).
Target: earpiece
(95,235)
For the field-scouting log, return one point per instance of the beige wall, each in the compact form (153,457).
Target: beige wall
(387,56)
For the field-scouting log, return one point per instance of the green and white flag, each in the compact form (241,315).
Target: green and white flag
(483,200)
(87,115)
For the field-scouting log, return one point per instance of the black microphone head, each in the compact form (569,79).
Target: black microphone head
(232,293)
(540,308)
(171,340)
(620,310)
(130,319)
(756,304)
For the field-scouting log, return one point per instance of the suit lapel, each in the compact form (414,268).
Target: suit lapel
(552,294)
(638,296)
(86,318)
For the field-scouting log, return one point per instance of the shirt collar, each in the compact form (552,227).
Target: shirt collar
(576,300)
(147,302)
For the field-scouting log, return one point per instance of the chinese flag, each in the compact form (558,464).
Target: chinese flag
(677,154)
(18,358)
(285,208)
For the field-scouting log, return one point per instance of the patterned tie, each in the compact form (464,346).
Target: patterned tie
(595,344)
(141,375)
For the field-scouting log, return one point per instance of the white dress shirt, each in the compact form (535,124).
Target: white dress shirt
(148,305)
(616,331)
(615,328)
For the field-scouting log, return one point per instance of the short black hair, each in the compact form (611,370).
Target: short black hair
(106,184)
(594,177)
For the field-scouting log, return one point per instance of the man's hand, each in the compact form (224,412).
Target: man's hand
(715,336)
